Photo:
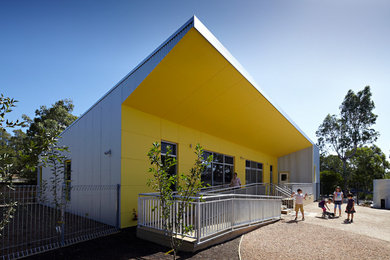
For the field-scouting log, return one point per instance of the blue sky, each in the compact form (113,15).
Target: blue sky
(305,55)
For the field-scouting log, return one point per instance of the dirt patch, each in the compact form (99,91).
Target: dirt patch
(125,245)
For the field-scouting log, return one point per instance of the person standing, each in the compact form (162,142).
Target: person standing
(338,200)
(350,210)
(236,182)
(299,197)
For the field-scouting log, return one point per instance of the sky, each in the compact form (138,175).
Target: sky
(305,55)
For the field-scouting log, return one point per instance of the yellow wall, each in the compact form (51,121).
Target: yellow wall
(140,130)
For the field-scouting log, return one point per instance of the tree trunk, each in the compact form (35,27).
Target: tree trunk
(345,174)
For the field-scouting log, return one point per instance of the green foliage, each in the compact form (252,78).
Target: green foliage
(329,181)
(42,132)
(369,163)
(343,134)
(9,207)
(331,163)
(186,187)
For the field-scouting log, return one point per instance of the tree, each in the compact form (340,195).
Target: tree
(8,207)
(329,181)
(174,204)
(343,134)
(46,126)
(331,163)
(369,163)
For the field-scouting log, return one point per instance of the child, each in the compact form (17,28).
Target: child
(338,200)
(299,197)
(322,204)
(350,210)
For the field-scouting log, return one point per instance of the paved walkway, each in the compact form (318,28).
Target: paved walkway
(316,238)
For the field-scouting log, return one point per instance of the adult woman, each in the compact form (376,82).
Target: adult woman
(338,200)
(236,182)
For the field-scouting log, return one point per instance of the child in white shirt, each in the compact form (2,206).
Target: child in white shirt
(299,197)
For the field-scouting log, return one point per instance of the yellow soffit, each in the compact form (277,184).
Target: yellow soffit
(195,86)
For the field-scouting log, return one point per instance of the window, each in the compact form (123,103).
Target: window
(67,179)
(219,171)
(253,172)
(173,153)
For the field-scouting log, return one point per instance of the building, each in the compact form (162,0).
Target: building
(382,193)
(189,90)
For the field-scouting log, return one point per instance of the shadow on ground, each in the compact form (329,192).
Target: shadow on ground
(126,245)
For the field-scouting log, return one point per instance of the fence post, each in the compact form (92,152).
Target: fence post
(118,196)
(232,212)
(63,204)
(198,228)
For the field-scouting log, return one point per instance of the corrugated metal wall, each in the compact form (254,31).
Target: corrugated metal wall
(299,165)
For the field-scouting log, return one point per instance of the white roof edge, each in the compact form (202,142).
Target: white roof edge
(202,29)
(191,20)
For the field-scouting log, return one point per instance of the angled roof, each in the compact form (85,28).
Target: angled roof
(200,77)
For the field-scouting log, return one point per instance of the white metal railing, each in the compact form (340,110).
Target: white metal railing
(211,215)
(267,189)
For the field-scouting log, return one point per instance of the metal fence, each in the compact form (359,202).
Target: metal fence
(211,215)
(41,223)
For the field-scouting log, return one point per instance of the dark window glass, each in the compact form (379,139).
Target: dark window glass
(164,148)
(253,172)
(247,176)
(217,157)
(68,178)
(260,176)
(254,176)
(220,170)
(253,164)
(228,173)
(228,159)
(283,177)
(206,155)
(217,174)
(207,176)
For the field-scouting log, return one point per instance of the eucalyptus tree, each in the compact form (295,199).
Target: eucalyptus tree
(343,134)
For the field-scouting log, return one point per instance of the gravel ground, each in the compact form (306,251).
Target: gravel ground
(316,238)
(367,221)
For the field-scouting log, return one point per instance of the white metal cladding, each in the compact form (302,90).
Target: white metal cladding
(381,192)
(299,165)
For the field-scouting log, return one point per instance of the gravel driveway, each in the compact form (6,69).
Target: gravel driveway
(316,238)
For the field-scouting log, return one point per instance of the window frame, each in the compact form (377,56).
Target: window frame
(256,169)
(171,155)
(223,164)
(68,178)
